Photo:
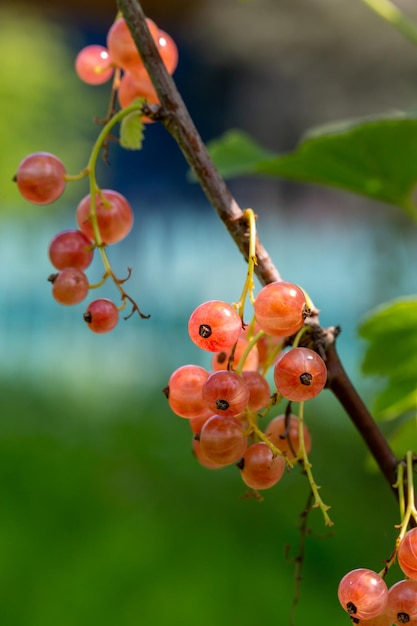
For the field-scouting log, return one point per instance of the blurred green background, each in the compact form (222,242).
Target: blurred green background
(105,516)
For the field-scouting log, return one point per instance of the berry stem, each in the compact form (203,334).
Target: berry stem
(410,510)
(251,344)
(249,285)
(95,190)
(394,16)
(302,454)
(255,430)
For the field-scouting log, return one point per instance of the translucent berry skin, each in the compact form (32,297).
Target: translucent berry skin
(168,50)
(260,469)
(93,65)
(222,439)
(407,554)
(380,620)
(279,308)
(185,392)
(225,393)
(286,437)
(402,601)
(71,248)
(101,315)
(363,594)
(300,374)
(204,461)
(40,178)
(220,360)
(114,216)
(259,390)
(214,326)
(122,47)
(69,286)
(132,86)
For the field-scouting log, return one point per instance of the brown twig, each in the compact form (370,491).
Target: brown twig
(175,117)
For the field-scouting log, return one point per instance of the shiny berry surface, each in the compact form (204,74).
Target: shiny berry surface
(363,593)
(114,216)
(222,439)
(402,601)
(300,374)
(260,469)
(40,178)
(69,286)
(93,65)
(279,308)
(101,315)
(225,393)
(259,390)
(185,392)
(407,554)
(214,326)
(283,432)
(70,248)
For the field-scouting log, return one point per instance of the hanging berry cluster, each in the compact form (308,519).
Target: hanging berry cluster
(365,595)
(104,216)
(226,405)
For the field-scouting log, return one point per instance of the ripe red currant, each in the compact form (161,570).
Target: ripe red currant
(214,326)
(69,286)
(71,248)
(407,554)
(363,593)
(259,468)
(300,374)
(280,308)
(185,392)
(101,315)
(114,216)
(40,177)
(222,439)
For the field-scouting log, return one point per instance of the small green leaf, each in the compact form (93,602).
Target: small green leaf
(374,157)
(131,130)
(235,153)
(391,353)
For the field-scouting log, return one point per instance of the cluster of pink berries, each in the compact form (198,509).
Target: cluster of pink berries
(364,594)
(223,405)
(104,216)
(40,179)
(96,64)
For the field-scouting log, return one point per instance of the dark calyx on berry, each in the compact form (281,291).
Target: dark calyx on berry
(351,608)
(306,378)
(204,331)
(222,405)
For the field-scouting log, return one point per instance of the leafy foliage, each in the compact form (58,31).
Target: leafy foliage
(392,355)
(131,130)
(374,157)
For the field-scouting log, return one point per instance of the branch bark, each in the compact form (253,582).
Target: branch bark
(175,117)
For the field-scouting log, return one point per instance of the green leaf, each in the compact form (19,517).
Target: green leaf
(374,157)
(404,438)
(391,353)
(132,130)
(236,153)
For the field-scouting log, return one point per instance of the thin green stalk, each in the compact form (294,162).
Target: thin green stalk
(394,16)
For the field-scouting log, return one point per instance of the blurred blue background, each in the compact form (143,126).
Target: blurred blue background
(106,518)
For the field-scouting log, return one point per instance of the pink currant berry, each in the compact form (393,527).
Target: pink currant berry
(300,374)
(214,326)
(101,315)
